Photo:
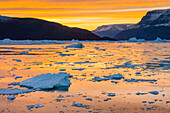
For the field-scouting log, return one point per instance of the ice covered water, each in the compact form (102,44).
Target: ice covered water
(105,76)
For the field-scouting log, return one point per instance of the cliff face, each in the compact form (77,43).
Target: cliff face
(37,29)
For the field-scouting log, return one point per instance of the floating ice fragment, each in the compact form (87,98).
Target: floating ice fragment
(66,54)
(14,91)
(14,83)
(24,52)
(150,102)
(138,93)
(116,76)
(17,77)
(115,82)
(18,60)
(90,99)
(78,45)
(111,94)
(11,97)
(80,105)
(47,81)
(80,69)
(141,80)
(154,92)
(38,106)
(29,107)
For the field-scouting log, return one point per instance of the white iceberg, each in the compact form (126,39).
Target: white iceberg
(134,39)
(15,91)
(47,81)
(78,45)
(159,40)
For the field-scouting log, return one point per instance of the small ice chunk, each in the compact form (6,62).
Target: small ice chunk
(151,102)
(38,106)
(47,81)
(24,52)
(78,45)
(111,94)
(29,107)
(138,93)
(154,92)
(17,77)
(11,97)
(18,60)
(116,76)
(14,83)
(90,99)
(115,82)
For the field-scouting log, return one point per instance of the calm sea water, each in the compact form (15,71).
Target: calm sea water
(146,61)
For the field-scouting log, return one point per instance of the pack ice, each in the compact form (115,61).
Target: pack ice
(47,81)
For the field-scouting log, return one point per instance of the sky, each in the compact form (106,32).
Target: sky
(87,14)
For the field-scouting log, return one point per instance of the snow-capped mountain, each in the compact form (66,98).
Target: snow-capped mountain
(156,18)
(111,30)
(154,24)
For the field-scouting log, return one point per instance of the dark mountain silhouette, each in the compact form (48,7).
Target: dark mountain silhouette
(37,29)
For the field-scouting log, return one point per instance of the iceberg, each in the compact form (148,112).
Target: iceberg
(47,81)
(159,40)
(134,39)
(78,45)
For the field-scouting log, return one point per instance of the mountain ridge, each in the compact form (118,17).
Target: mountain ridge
(37,29)
(156,21)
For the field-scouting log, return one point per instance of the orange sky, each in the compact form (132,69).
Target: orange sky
(86,14)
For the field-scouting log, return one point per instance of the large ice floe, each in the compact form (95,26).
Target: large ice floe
(78,45)
(47,81)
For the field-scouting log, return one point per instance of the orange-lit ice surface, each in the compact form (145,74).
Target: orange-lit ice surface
(144,66)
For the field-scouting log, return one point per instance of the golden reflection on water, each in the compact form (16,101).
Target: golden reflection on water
(44,59)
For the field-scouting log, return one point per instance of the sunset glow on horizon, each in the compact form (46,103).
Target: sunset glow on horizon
(87,14)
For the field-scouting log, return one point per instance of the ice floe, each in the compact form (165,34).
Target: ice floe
(140,80)
(47,81)
(15,91)
(29,107)
(110,77)
(80,105)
